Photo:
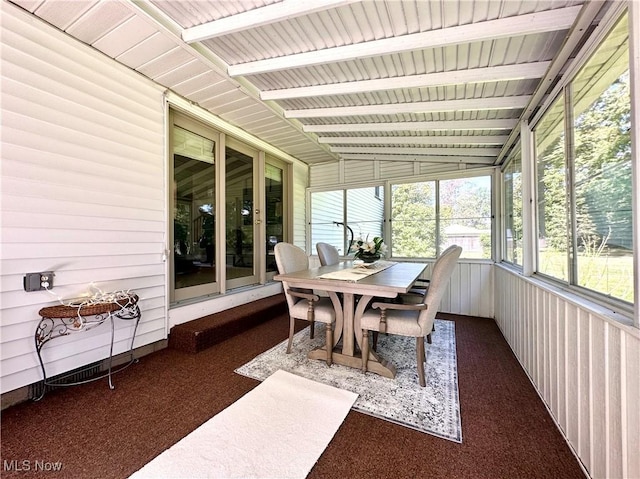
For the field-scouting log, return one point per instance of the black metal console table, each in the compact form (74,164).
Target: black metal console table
(62,320)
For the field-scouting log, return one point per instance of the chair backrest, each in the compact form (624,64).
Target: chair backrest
(327,254)
(448,249)
(442,271)
(289,259)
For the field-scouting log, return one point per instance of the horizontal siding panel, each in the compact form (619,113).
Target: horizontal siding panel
(48,107)
(63,235)
(83,193)
(20,266)
(29,147)
(35,205)
(97,248)
(13,299)
(18,129)
(586,367)
(396,169)
(91,81)
(299,202)
(357,171)
(325,174)
(34,374)
(90,190)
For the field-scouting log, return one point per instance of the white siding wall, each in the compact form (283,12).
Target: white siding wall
(585,366)
(470,291)
(355,171)
(82,192)
(300,183)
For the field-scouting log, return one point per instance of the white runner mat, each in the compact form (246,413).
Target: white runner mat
(277,430)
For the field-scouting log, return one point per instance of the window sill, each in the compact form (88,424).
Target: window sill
(620,318)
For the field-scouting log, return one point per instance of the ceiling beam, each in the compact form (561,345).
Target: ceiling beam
(457,77)
(494,103)
(588,14)
(486,160)
(394,150)
(276,12)
(501,124)
(539,22)
(414,140)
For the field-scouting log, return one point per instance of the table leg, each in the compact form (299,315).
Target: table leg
(350,330)
(348,306)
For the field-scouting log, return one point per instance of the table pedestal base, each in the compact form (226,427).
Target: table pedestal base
(376,363)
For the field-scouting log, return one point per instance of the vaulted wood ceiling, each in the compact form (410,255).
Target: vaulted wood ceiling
(438,81)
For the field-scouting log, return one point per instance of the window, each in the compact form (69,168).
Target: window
(413,220)
(339,216)
(465,215)
(553,235)
(602,169)
(591,244)
(427,217)
(513,210)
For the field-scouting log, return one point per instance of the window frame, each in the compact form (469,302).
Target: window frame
(565,87)
(386,185)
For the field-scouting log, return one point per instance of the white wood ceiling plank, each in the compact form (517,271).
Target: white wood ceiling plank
(501,124)
(63,14)
(182,73)
(407,150)
(414,140)
(232,102)
(415,107)
(167,62)
(151,47)
(99,20)
(125,36)
(276,12)
(558,19)
(473,75)
(189,78)
(29,5)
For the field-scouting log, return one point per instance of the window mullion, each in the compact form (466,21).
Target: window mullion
(572,224)
(437,187)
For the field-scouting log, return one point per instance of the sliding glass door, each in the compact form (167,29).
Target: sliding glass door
(242,214)
(193,209)
(227,211)
(275,210)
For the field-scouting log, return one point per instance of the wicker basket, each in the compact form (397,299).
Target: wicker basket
(65,311)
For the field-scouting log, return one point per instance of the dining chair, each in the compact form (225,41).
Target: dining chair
(414,320)
(327,254)
(303,303)
(415,294)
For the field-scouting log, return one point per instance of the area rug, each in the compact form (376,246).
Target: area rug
(434,409)
(277,430)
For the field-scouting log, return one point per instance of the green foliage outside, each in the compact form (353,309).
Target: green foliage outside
(602,192)
(464,217)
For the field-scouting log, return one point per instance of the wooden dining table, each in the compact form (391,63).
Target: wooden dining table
(396,278)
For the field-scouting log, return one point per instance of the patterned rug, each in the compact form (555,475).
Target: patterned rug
(434,409)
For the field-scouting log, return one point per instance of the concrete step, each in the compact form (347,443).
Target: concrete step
(199,334)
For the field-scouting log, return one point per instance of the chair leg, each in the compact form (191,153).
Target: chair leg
(292,327)
(329,340)
(375,341)
(420,360)
(429,338)
(365,350)
(312,329)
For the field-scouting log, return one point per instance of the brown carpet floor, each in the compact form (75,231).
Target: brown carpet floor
(97,433)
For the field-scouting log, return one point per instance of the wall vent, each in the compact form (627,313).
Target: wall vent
(84,373)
